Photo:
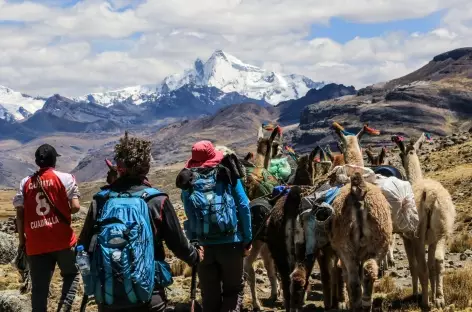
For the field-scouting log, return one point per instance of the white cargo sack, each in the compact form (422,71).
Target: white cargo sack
(400,196)
(343,173)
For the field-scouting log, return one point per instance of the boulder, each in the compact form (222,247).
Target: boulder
(13,301)
(8,248)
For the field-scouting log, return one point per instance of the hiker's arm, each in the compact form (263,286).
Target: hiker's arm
(87,230)
(244,213)
(174,236)
(74,205)
(18,203)
(73,194)
(191,221)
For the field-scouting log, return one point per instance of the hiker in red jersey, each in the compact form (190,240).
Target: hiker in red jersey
(44,204)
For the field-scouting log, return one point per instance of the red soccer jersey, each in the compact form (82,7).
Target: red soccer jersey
(45,232)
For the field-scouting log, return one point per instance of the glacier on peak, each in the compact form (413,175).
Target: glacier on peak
(16,106)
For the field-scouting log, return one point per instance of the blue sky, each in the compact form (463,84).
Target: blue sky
(343,31)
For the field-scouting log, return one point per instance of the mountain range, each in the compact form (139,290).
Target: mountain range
(215,103)
(220,81)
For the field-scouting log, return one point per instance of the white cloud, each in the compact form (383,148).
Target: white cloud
(88,47)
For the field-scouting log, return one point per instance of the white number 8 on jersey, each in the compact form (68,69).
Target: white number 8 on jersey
(42,206)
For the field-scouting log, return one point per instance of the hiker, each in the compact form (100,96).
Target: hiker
(160,222)
(218,215)
(44,204)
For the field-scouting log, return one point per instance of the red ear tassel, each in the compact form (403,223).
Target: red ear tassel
(371,131)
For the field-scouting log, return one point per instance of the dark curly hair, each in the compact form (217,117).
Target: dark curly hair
(133,154)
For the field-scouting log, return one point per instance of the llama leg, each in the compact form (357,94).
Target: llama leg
(338,285)
(432,269)
(324,261)
(439,266)
(370,269)
(411,255)
(271,272)
(422,270)
(251,274)
(390,257)
(351,271)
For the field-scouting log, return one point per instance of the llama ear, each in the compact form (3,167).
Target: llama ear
(399,142)
(313,154)
(340,147)
(339,131)
(275,134)
(419,142)
(329,153)
(260,133)
(382,155)
(362,132)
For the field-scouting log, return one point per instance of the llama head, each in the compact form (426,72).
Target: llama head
(264,147)
(376,160)
(310,166)
(409,155)
(350,143)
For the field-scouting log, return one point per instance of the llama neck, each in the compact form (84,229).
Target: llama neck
(413,169)
(353,155)
(260,160)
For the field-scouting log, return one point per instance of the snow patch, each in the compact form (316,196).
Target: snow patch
(17,104)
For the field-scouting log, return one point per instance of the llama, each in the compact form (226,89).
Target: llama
(361,225)
(283,227)
(259,183)
(436,215)
(361,232)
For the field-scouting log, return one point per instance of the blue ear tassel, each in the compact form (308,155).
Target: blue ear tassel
(346,133)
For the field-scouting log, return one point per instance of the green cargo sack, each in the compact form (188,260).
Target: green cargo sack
(280,168)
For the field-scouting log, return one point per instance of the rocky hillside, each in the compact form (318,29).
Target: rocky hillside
(290,111)
(437,98)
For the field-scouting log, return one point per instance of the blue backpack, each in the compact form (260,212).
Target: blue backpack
(123,269)
(213,205)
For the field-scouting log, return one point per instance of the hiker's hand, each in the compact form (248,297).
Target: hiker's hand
(200,253)
(247,250)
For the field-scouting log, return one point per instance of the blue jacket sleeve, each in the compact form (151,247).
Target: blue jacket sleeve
(244,213)
(189,224)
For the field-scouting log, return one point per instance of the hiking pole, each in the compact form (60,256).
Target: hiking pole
(193,285)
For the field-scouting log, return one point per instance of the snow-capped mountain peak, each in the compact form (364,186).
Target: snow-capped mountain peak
(137,95)
(16,105)
(229,74)
(222,71)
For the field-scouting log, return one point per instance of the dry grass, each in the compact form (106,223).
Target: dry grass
(385,285)
(458,287)
(461,243)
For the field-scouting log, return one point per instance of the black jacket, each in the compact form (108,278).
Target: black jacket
(164,217)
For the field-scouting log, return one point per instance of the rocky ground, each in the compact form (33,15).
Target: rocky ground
(448,160)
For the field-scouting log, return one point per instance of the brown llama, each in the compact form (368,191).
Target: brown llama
(436,215)
(361,228)
(283,232)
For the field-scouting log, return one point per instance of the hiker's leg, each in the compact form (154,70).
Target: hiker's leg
(158,301)
(230,258)
(70,278)
(42,269)
(209,275)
